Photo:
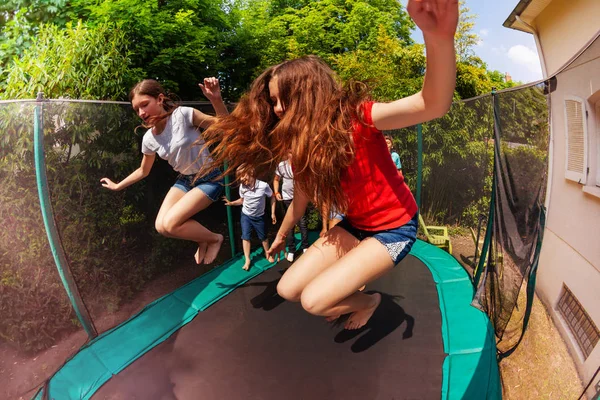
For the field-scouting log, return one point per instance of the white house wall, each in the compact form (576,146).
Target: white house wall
(571,249)
(564,27)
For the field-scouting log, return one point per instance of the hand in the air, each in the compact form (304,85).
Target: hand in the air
(436,18)
(211,88)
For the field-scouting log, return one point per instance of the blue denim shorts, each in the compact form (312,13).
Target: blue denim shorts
(397,241)
(335,215)
(257,224)
(211,188)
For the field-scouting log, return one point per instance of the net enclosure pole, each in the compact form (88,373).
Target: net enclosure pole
(490,220)
(58,252)
(229,213)
(419,164)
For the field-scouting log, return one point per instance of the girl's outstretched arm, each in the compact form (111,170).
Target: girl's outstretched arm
(437,19)
(273,207)
(292,216)
(276,180)
(212,91)
(237,202)
(135,176)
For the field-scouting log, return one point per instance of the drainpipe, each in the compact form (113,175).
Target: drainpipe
(538,44)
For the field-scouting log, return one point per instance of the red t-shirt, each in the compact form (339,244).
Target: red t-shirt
(378,197)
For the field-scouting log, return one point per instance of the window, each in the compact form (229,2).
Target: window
(576,136)
(579,322)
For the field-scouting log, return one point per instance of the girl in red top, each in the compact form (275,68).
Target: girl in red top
(341,161)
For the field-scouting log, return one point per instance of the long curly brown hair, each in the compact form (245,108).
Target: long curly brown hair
(316,129)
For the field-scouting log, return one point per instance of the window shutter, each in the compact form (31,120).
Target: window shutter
(576,140)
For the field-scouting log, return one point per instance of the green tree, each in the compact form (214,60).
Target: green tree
(465,38)
(279,30)
(19,24)
(76,62)
(177,41)
(472,76)
(392,70)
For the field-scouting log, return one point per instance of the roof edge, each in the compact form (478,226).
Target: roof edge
(512,22)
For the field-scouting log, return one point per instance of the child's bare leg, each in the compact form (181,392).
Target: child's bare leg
(177,223)
(334,222)
(332,318)
(172,197)
(335,290)
(246,246)
(320,256)
(265,244)
(201,252)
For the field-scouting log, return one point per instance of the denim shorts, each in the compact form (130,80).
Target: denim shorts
(335,215)
(211,188)
(397,241)
(257,224)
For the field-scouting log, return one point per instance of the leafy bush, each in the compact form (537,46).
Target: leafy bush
(108,237)
(76,62)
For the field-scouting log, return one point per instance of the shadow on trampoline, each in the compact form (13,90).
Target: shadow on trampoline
(386,319)
(268,299)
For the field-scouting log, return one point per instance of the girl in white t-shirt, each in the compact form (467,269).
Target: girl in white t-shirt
(173,134)
(284,177)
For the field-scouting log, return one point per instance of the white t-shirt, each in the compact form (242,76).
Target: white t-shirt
(284,170)
(254,198)
(176,143)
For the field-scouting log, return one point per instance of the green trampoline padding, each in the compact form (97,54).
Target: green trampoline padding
(469,371)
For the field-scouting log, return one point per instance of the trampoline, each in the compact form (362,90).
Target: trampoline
(228,335)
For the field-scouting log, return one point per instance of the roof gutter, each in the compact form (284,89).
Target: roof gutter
(519,8)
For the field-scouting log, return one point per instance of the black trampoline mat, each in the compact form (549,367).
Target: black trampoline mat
(254,345)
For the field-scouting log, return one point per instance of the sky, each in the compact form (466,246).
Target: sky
(502,49)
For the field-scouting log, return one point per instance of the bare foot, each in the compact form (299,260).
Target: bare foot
(335,317)
(212,250)
(358,319)
(201,252)
(246,266)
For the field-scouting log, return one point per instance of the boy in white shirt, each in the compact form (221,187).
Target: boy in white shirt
(252,200)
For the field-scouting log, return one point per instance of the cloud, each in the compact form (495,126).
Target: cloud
(484,32)
(523,55)
(480,42)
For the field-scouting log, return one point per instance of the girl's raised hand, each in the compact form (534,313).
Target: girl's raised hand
(107,183)
(211,88)
(436,18)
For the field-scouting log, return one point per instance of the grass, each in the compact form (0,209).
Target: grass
(541,367)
